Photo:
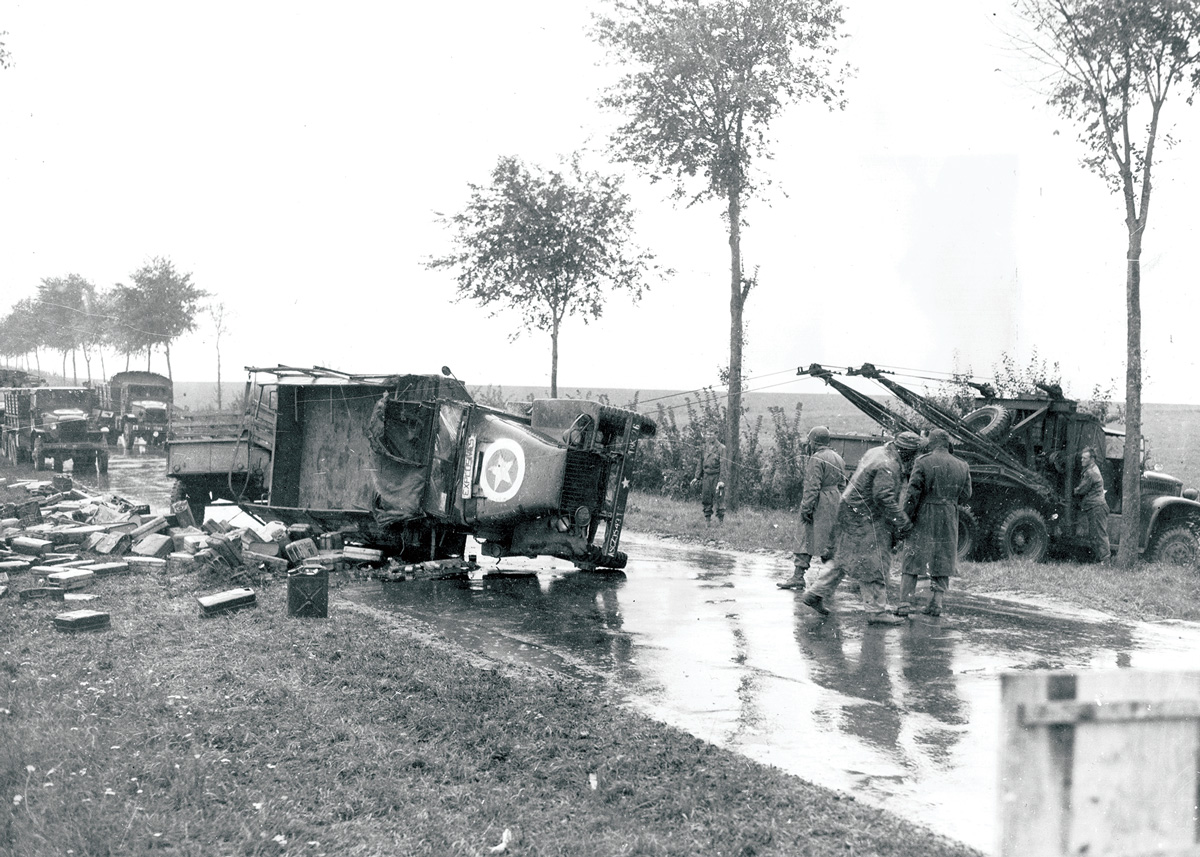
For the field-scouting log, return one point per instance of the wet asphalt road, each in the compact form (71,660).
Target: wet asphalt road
(906,718)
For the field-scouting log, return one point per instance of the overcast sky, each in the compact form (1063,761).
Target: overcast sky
(291,156)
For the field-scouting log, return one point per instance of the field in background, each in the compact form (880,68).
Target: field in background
(1173,430)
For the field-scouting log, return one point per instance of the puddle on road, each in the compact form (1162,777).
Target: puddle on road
(904,718)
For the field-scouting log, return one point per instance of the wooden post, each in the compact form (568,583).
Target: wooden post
(1100,763)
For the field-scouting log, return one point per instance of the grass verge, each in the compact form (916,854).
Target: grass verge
(1147,591)
(260,734)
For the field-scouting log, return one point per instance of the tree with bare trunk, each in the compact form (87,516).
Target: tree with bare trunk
(1113,64)
(707,79)
(220,321)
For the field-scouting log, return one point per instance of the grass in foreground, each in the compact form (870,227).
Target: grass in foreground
(1148,591)
(260,734)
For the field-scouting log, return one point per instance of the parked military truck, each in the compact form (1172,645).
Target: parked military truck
(1024,459)
(56,424)
(412,465)
(136,406)
(215,456)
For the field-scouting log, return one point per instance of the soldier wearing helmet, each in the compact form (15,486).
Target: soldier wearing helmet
(869,519)
(940,481)
(824,479)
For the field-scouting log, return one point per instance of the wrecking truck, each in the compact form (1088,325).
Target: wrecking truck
(1024,459)
(412,465)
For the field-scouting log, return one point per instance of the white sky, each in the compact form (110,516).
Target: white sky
(291,156)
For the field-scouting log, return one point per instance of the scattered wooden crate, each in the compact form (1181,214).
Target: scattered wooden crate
(82,620)
(227,602)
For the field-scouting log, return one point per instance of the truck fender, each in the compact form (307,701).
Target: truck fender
(1165,511)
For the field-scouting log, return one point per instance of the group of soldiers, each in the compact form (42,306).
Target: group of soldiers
(901,501)
(903,498)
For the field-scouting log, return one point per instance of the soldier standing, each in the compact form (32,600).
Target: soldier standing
(940,481)
(1092,505)
(869,519)
(710,473)
(824,479)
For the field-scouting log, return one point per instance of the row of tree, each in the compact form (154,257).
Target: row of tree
(73,317)
(707,77)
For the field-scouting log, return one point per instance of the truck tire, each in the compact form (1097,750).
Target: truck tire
(991,422)
(968,534)
(1176,545)
(1023,535)
(39,455)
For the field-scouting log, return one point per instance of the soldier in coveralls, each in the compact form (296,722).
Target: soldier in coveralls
(1092,506)
(710,473)
(940,481)
(869,519)
(824,479)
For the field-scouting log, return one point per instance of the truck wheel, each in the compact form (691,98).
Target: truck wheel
(85,462)
(991,422)
(1176,546)
(968,534)
(39,455)
(58,464)
(1023,535)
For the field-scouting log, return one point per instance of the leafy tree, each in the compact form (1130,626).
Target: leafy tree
(709,77)
(5,56)
(1113,64)
(549,244)
(157,309)
(21,332)
(66,304)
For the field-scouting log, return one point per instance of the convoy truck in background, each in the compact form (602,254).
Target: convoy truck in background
(53,424)
(1024,460)
(412,465)
(136,405)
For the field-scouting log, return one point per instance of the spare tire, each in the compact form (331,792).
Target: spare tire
(991,422)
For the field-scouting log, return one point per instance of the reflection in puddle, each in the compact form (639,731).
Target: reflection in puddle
(906,718)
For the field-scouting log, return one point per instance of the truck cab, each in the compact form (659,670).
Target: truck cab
(53,423)
(137,406)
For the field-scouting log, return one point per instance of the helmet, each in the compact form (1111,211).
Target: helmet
(907,441)
(938,438)
(818,435)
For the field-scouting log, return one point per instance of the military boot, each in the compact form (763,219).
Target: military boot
(908,588)
(934,607)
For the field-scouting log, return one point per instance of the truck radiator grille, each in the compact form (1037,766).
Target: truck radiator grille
(583,482)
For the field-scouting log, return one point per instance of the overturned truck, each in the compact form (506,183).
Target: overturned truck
(413,465)
(1024,459)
